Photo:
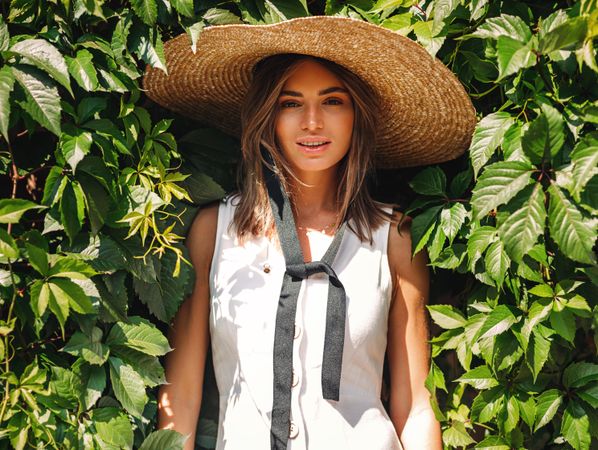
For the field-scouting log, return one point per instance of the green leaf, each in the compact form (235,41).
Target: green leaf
(7,81)
(202,188)
(184,7)
(12,209)
(42,99)
(585,164)
(95,383)
(527,408)
(74,144)
(447,316)
(427,36)
(512,415)
(128,387)
(422,226)
(521,229)
(498,321)
(451,220)
(568,35)
(563,322)
(499,183)
(45,56)
(478,241)
(547,404)
(492,443)
(544,137)
(73,268)
(90,348)
(88,106)
(164,440)
(573,234)
(579,374)
(456,435)
(589,394)
(488,135)
(113,428)
(487,404)
(504,25)
(82,70)
(280,10)
(442,10)
(72,206)
(480,378)
(38,258)
(497,262)
(146,10)
(140,335)
(59,305)
(430,181)
(537,353)
(513,55)
(576,426)
(147,366)
(147,43)
(8,246)
(4,35)
(67,292)
(40,297)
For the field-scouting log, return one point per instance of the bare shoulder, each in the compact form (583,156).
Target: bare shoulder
(402,264)
(202,236)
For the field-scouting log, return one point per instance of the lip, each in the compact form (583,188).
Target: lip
(313,150)
(311,139)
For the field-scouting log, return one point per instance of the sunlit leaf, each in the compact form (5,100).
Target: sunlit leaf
(488,135)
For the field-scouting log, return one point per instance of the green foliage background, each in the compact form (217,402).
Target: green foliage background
(99,186)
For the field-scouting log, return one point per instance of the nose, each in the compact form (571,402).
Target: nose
(312,118)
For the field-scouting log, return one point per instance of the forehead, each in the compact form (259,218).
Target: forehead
(310,73)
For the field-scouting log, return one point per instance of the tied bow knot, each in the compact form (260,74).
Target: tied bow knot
(305,270)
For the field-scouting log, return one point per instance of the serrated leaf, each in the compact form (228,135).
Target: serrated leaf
(146,10)
(72,268)
(44,56)
(8,246)
(547,404)
(573,234)
(4,35)
(72,206)
(40,297)
(90,348)
(82,70)
(537,352)
(497,262)
(12,209)
(447,316)
(563,322)
(428,37)
(478,241)
(520,231)
(527,408)
(584,159)
(421,227)
(480,378)
(504,25)
(451,220)
(430,181)
(164,440)
(113,428)
(498,321)
(95,383)
(513,55)
(456,435)
(579,374)
(492,443)
(575,426)
(75,144)
(184,7)
(147,366)
(147,43)
(7,81)
(544,137)
(42,99)
(128,387)
(67,292)
(487,404)
(488,135)
(589,394)
(140,335)
(38,258)
(499,183)
(568,35)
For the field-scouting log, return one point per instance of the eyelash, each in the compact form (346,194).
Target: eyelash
(288,103)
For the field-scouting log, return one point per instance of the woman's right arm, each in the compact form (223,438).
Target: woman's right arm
(180,399)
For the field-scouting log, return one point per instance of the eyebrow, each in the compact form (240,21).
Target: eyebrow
(322,92)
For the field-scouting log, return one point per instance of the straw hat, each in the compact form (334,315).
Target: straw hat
(426,115)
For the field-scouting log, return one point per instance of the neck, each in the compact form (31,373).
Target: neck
(316,194)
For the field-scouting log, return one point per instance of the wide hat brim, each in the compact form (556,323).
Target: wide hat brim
(426,115)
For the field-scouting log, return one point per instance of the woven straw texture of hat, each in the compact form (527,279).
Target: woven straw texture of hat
(426,115)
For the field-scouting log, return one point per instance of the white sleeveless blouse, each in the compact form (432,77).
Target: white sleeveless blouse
(245,283)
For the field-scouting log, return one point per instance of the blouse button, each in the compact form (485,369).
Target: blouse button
(266,268)
(293,430)
(295,380)
(296,332)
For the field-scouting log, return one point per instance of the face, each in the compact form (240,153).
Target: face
(314,122)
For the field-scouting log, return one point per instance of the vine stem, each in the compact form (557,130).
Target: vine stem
(14,178)
(6,343)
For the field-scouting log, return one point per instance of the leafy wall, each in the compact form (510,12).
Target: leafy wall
(99,186)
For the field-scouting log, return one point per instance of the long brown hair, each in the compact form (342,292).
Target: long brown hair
(253,215)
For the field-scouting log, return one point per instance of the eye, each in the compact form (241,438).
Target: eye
(289,104)
(333,101)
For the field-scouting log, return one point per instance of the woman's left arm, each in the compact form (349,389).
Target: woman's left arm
(408,348)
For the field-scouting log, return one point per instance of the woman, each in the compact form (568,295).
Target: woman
(303,281)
